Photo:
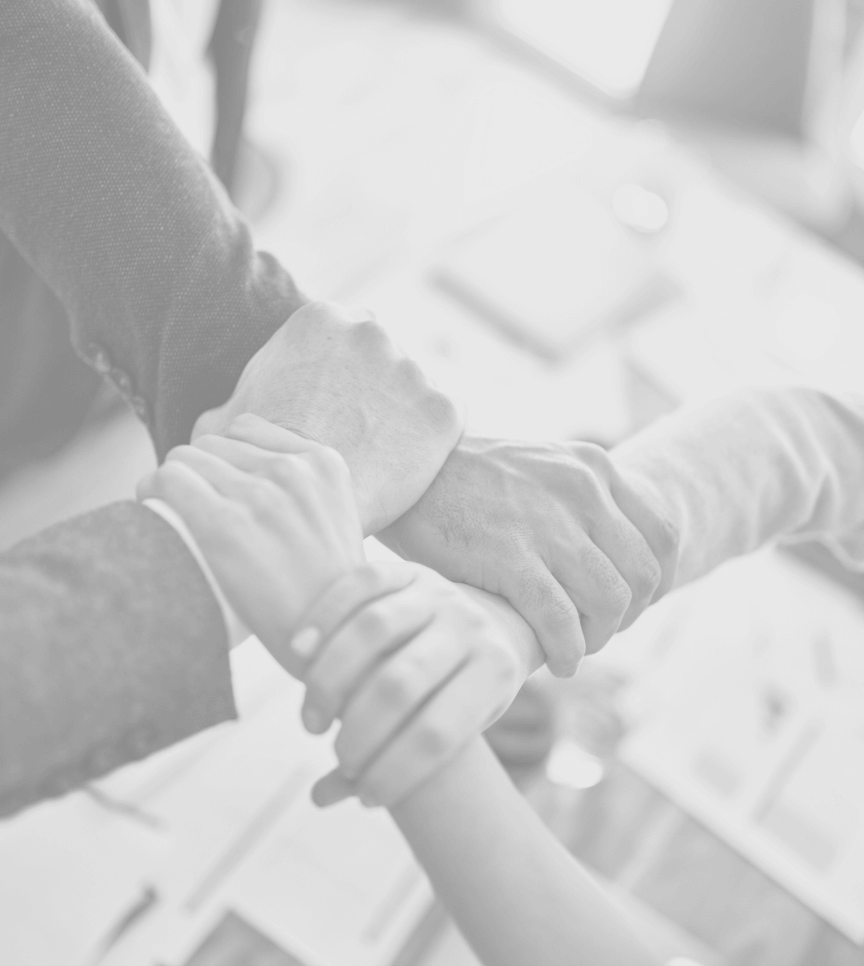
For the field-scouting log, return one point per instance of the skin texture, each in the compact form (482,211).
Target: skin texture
(553,527)
(413,665)
(276,528)
(413,671)
(516,893)
(332,375)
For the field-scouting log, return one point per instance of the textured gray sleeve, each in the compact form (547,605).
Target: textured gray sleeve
(111,647)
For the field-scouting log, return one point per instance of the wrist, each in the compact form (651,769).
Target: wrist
(514,629)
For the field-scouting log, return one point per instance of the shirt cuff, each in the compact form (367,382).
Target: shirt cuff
(235,628)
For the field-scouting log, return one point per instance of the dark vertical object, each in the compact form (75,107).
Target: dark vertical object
(231,50)
(743,63)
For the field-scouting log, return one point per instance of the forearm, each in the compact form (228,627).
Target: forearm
(124,221)
(514,628)
(111,647)
(515,892)
(740,471)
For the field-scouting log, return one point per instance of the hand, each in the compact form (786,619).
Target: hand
(275,528)
(414,669)
(554,528)
(331,374)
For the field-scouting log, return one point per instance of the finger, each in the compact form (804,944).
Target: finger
(599,592)
(252,429)
(287,471)
(630,554)
(657,530)
(356,648)
(395,693)
(189,494)
(332,788)
(221,475)
(244,456)
(451,719)
(343,598)
(545,605)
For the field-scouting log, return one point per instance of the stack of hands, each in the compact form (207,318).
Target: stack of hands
(333,434)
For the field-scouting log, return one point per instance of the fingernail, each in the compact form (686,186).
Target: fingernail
(314,721)
(321,798)
(305,643)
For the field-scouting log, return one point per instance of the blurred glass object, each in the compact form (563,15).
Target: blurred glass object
(608,44)
(573,767)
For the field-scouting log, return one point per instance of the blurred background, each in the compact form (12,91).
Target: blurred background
(578,215)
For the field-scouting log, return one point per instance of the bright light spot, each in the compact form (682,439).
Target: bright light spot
(571,766)
(639,208)
(682,961)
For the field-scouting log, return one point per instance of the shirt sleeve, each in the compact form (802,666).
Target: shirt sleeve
(754,466)
(235,628)
(112,646)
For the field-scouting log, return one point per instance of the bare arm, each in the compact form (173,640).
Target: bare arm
(518,896)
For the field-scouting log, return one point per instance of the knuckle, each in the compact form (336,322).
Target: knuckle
(371,576)
(591,453)
(180,452)
(393,686)
(618,597)
(538,590)
(585,479)
(261,496)
(320,309)
(668,537)
(441,411)
(206,440)
(330,464)
(614,592)
(370,332)
(433,739)
(649,575)
(282,470)
(170,470)
(373,623)
(241,422)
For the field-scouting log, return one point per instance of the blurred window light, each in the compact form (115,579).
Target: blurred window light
(608,43)
(640,209)
(572,767)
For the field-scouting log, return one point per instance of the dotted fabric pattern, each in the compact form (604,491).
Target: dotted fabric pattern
(111,647)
